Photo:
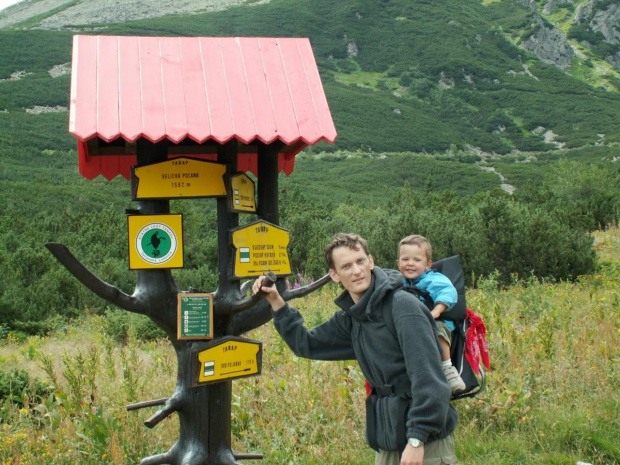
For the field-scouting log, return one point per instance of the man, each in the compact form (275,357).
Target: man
(409,418)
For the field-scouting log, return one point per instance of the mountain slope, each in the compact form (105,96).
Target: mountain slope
(400,75)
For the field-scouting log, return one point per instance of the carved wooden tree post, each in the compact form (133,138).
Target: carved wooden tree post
(204,411)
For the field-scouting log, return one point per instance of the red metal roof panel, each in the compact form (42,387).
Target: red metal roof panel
(130,93)
(202,88)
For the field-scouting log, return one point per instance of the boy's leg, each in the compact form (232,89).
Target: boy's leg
(445,349)
(445,338)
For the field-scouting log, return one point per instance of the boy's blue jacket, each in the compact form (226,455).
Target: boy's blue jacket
(438,285)
(411,362)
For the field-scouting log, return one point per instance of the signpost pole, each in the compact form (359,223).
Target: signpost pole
(267,189)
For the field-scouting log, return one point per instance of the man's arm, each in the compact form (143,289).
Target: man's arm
(430,390)
(330,340)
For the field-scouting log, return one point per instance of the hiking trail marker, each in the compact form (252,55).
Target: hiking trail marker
(178,178)
(260,247)
(186,117)
(194,316)
(155,241)
(243,193)
(226,358)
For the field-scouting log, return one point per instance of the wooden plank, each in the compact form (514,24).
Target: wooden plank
(83,118)
(300,95)
(108,124)
(315,86)
(237,87)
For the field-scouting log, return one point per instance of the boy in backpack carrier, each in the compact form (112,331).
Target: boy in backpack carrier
(415,255)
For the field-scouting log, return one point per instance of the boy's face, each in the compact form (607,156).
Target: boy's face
(412,261)
(352,268)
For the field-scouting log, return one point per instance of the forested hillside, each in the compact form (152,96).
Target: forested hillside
(424,95)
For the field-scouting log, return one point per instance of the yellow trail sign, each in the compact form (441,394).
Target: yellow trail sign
(261,247)
(178,178)
(225,358)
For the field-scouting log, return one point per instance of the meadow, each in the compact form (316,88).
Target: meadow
(552,395)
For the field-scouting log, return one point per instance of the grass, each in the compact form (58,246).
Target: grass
(552,398)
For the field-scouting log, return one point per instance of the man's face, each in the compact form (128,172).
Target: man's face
(412,261)
(352,269)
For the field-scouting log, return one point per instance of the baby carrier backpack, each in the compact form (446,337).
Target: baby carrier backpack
(468,356)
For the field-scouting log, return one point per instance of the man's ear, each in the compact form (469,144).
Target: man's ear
(334,275)
(372,262)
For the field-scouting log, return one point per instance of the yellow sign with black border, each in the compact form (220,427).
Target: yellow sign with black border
(155,241)
(261,247)
(180,177)
(225,358)
(243,193)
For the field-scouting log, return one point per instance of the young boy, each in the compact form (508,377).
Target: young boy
(415,257)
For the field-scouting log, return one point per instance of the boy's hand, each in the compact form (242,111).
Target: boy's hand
(271,293)
(438,310)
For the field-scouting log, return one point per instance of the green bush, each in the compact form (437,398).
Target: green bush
(121,325)
(15,384)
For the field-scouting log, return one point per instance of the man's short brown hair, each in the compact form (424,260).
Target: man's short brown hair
(351,241)
(420,241)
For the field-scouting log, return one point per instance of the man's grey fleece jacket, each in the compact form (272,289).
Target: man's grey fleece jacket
(410,362)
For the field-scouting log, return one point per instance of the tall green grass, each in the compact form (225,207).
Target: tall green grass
(553,393)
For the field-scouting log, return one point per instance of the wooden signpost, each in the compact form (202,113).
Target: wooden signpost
(190,117)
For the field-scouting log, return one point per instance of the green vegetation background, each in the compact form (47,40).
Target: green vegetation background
(413,136)
(551,398)
(437,91)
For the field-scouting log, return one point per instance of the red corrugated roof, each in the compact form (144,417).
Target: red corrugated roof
(201,89)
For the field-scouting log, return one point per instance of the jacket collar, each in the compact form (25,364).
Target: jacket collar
(381,283)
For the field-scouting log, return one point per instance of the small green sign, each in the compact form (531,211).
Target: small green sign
(195,316)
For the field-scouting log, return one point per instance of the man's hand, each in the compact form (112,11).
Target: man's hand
(271,293)
(412,456)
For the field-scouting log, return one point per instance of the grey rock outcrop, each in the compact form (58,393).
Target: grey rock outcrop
(86,12)
(529,4)
(550,45)
(607,22)
(604,21)
(553,5)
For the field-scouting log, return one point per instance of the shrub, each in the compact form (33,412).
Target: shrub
(121,325)
(15,384)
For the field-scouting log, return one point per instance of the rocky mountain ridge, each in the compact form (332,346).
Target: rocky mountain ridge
(88,12)
(544,38)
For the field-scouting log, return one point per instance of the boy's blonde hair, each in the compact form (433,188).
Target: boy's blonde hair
(351,241)
(420,241)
